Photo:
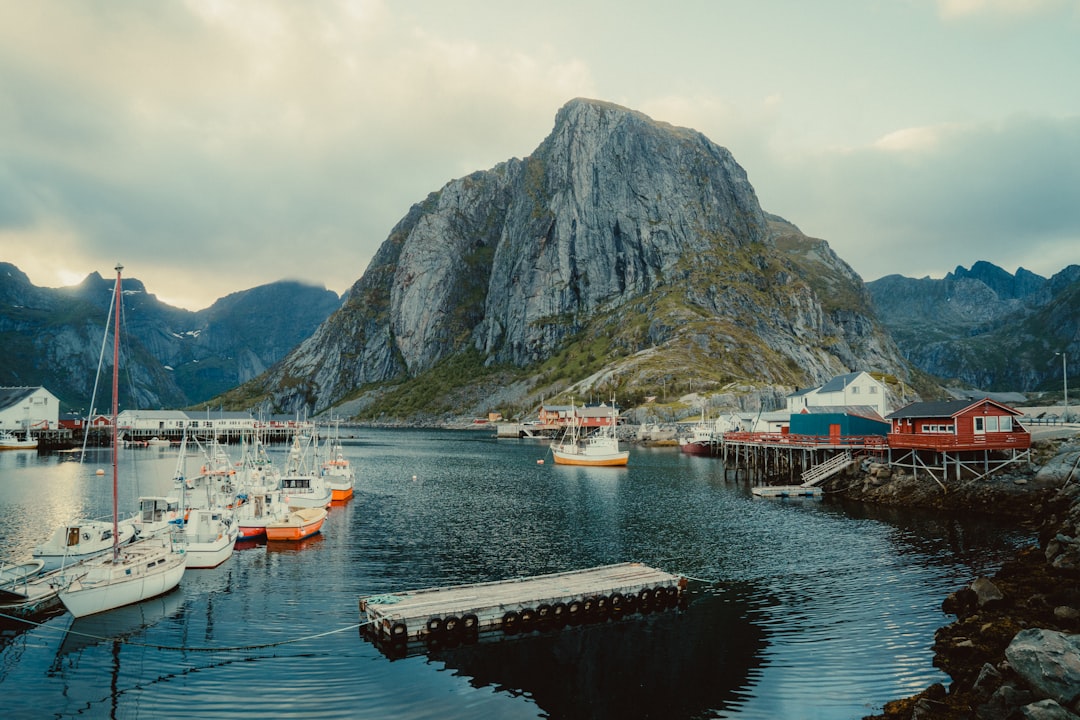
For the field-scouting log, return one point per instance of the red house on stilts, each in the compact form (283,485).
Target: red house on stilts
(973,437)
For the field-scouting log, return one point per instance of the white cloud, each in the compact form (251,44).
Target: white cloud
(213,145)
(953,9)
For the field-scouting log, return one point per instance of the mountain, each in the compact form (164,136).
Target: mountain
(985,327)
(622,256)
(173,357)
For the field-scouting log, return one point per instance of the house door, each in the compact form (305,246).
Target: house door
(834,433)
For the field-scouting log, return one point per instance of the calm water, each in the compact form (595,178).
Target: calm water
(800,609)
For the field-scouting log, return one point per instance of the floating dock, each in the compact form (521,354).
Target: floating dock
(784,491)
(519,605)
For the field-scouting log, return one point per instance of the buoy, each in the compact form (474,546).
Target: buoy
(414,478)
(100,472)
(540,461)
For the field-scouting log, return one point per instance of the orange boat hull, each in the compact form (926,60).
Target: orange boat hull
(340,495)
(298,526)
(591,462)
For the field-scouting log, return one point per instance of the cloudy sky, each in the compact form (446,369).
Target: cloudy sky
(216,145)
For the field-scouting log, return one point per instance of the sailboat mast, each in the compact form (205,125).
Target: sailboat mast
(115,414)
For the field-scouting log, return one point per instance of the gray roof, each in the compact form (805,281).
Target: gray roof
(943,408)
(839,382)
(10,396)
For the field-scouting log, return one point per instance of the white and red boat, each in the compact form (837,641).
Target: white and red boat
(297,525)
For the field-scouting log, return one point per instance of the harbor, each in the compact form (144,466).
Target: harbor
(436,509)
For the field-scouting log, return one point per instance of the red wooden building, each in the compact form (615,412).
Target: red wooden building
(583,416)
(977,437)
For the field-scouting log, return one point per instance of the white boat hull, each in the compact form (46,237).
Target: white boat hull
(208,538)
(144,569)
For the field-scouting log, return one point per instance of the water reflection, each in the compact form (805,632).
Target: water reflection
(686,662)
(116,626)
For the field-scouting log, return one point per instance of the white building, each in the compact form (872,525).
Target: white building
(174,422)
(857,388)
(155,421)
(33,408)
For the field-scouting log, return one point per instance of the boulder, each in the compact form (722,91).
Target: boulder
(1048,662)
(986,592)
(1045,710)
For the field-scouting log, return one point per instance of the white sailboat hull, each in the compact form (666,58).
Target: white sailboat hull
(143,570)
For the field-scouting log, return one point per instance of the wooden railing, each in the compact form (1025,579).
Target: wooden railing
(764,438)
(945,441)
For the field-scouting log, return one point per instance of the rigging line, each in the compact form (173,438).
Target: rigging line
(97,375)
(181,648)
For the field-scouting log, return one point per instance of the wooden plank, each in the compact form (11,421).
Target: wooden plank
(417,614)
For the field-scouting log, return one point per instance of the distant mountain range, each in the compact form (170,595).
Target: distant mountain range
(622,258)
(171,358)
(985,327)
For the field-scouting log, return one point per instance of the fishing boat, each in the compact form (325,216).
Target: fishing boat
(130,573)
(258,489)
(10,441)
(700,441)
(297,525)
(301,486)
(261,506)
(157,514)
(208,537)
(337,472)
(705,437)
(599,449)
(206,529)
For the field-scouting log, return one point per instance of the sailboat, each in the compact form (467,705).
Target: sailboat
(599,449)
(134,572)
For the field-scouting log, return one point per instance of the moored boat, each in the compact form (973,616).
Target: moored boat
(26,589)
(141,570)
(261,506)
(208,537)
(301,486)
(131,573)
(600,449)
(80,540)
(297,525)
(9,441)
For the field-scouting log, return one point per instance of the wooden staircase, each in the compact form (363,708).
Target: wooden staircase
(827,469)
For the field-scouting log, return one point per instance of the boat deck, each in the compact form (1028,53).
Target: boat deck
(519,604)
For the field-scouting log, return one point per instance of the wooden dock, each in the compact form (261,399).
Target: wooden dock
(784,491)
(519,605)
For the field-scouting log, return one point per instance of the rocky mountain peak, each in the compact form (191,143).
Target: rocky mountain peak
(617,231)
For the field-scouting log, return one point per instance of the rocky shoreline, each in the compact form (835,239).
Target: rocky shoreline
(1014,649)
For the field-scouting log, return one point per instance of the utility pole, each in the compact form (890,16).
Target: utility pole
(1065,385)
